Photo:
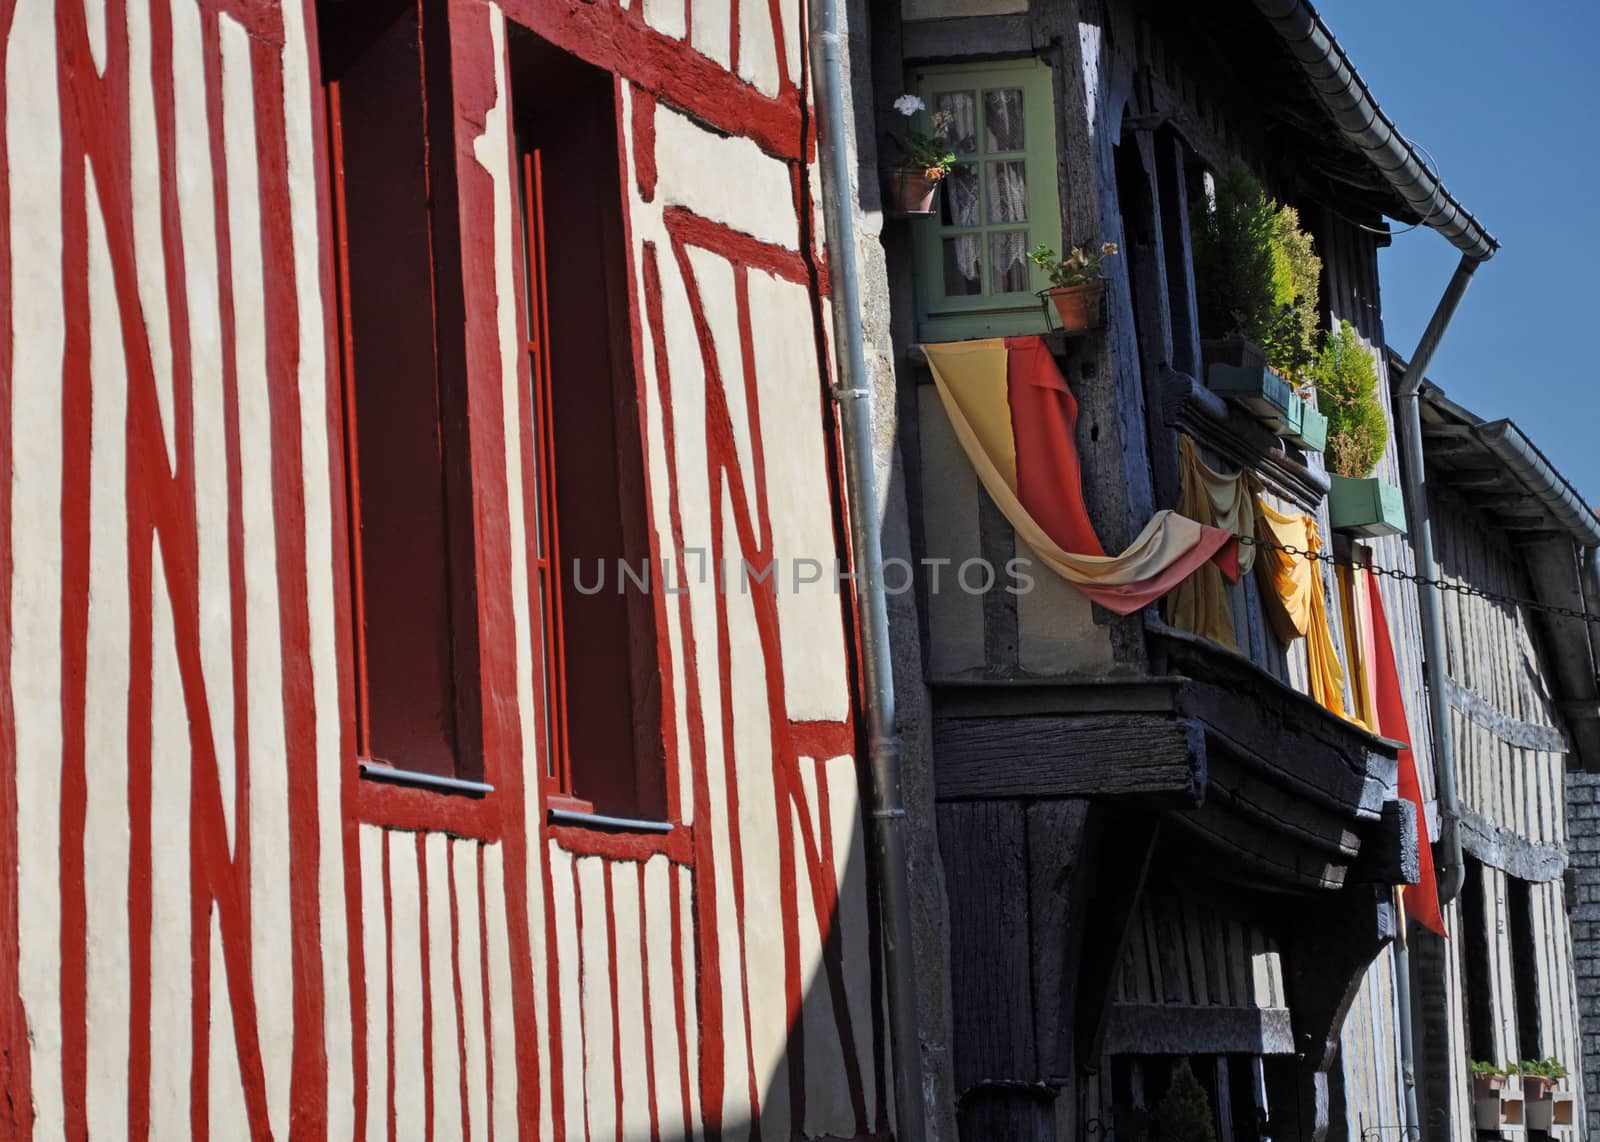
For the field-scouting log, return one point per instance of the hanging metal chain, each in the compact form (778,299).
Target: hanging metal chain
(1441,585)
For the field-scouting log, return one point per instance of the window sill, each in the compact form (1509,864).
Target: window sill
(619,838)
(405,799)
(371,771)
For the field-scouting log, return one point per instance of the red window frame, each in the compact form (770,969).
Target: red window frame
(585,404)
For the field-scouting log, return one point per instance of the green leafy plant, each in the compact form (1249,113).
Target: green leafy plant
(1550,1068)
(1077,268)
(1184,1112)
(1485,1069)
(1257,272)
(1292,334)
(1346,380)
(929,153)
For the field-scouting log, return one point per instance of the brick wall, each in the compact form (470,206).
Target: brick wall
(1583,839)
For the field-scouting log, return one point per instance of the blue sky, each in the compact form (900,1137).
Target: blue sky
(1506,96)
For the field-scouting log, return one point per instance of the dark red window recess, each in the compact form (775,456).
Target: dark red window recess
(600,686)
(386,70)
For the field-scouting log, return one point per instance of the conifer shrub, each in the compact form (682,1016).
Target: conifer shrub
(1184,1112)
(1346,379)
(1256,272)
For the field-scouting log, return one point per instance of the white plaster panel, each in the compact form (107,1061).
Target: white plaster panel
(754,765)
(799,497)
(758,52)
(441,997)
(793,34)
(224,1083)
(669,17)
(502,1026)
(713,277)
(711,30)
(105,763)
(662,988)
(1056,630)
(145,179)
(171,961)
(599,1073)
(405,973)
(37,329)
(469,968)
(269,823)
(197,226)
(725,178)
(375,957)
(632,1019)
(855,948)
(569,992)
(301,95)
(827,1089)
(691,998)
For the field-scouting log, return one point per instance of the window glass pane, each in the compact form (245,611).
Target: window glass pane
(962,129)
(1008,261)
(1008,191)
(1002,120)
(961,195)
(962,269)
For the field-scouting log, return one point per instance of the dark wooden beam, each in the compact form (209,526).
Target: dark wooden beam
(1099,755)
(1389,848)
(1183,1029)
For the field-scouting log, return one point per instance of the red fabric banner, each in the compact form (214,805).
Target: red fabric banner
(1422,899)
(1044,421)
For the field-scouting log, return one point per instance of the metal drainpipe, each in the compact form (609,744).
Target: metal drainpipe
(1408,1049)
(1450,869)
(854,399)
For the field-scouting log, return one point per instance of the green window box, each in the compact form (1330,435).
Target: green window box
(1000,199)
(1266,395)
(1311,433)
(1370,507)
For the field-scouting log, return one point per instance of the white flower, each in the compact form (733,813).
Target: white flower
(909,105)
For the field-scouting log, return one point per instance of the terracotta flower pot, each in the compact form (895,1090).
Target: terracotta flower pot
(1078,306)
(1536,1087)
(912,192)
(1485,1086)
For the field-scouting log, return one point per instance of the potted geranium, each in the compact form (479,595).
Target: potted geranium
(1487,1079)
(1539,1078)
(925,160)
(1077,283)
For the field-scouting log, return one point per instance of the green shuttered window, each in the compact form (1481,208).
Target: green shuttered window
(999,201)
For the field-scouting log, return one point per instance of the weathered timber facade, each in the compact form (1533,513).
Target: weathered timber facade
(1153,848)
(1520,684)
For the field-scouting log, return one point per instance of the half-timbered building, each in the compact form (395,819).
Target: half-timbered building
(378,756)
(1159,844)
(1516,541)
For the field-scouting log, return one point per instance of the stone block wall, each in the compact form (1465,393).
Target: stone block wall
(1583,840)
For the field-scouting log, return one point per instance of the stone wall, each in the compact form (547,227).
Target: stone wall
(1583,832)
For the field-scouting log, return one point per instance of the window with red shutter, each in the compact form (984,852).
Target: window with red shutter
(601,683)
(387,83)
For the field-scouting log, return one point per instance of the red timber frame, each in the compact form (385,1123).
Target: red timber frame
(163,504)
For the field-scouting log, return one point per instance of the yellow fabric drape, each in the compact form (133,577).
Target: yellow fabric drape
(1200,602)
(1296,601)
(1358,641)
(970,377)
